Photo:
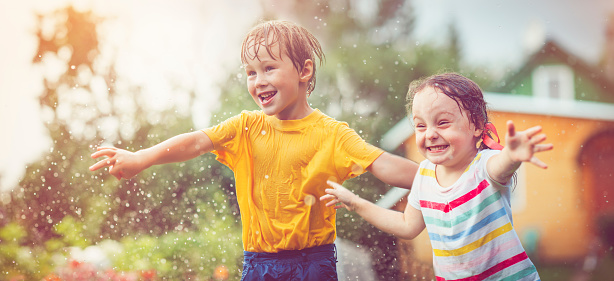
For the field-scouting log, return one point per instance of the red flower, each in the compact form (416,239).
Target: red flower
(149,275)
(73,264)
(221,273)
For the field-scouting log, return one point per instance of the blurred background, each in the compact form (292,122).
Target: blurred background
(75,75)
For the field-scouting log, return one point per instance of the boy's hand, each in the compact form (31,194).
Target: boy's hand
(522,146)
(121,163)
(339,196)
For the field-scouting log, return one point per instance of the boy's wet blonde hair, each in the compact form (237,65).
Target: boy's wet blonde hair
(298,43)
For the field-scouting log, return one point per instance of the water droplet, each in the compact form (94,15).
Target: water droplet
(309,200)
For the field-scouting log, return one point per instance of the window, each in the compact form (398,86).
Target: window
(553,81)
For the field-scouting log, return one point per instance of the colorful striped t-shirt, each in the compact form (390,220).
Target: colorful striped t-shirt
(470,225)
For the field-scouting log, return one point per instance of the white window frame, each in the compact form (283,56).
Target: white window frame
(549,79)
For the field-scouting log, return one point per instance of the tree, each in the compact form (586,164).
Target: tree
(60,200)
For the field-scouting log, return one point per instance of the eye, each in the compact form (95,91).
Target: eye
(251,73)
(443,122)
(268,68)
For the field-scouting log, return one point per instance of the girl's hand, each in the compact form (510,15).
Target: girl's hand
(121,163)
(522,146)
(339,196)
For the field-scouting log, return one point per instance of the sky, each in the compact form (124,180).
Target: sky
(505,32)
(158,39)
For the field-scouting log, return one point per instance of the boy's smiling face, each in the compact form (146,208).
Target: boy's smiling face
(275,84)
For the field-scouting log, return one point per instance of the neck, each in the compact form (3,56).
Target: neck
(299,111)
(448,175)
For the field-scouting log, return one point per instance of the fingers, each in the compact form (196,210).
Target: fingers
(101,164)
(531,132)
(332,195)
(511,129)
(110,161)
(333,199)
(543,147)
(104,151)
(537,139)
(535,161)
(109,152)
(327,196)
(333,184)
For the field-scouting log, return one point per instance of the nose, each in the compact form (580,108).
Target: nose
(431,133)
(261,81)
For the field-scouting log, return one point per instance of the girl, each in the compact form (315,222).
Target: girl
(461,193)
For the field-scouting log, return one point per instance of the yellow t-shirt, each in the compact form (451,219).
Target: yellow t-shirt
(281,168)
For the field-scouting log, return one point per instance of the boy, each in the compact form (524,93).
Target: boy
(282,157)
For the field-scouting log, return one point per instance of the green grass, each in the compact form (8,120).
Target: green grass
(604,271)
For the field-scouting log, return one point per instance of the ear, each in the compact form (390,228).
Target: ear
(307,71)
(477,132)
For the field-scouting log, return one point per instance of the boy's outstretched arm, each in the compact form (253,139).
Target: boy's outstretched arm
(126,164)
(394,170)
(519,147)
(405,225)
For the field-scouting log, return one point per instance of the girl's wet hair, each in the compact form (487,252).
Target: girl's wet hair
(298,43)
(466,93)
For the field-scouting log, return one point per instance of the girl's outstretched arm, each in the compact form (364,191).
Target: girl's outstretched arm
(405,225)
(126,164)
(520,147)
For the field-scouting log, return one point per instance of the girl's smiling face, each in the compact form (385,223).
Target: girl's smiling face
(444,134)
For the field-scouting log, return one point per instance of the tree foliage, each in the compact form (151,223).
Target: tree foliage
(59,203)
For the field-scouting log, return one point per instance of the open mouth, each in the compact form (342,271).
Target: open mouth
(437,148)
(266,97)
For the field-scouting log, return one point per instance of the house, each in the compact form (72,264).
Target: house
(556,211)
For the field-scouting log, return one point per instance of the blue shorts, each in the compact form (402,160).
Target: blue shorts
(317,263)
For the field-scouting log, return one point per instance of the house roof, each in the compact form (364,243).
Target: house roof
(400,132)
(552,50)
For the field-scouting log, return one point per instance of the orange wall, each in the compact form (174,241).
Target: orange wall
(556,202)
